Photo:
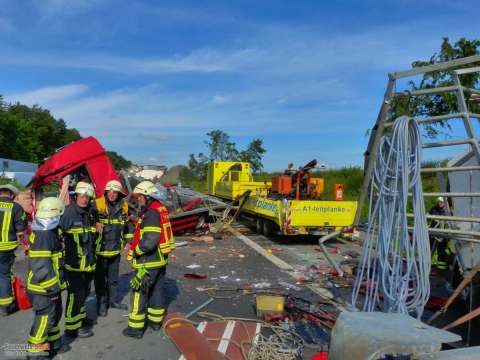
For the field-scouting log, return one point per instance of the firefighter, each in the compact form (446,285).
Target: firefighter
(78,227)
(439,245)
(112,212)
(13,223)
(152,242)
(44,278)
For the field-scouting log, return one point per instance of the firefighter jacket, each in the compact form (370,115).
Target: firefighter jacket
(12,221)
(114,217)
(78,228)
(153,238)
(436,210)
(45,262)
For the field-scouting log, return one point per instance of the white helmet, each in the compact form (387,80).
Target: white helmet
(50,207)
(11,188)
(145,188)
(84,188)
(113,185)
(440,198)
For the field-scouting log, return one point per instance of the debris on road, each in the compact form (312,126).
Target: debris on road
(193,266)
(195,276)
(269,304)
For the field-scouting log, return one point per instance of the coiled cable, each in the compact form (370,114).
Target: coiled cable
(395,262)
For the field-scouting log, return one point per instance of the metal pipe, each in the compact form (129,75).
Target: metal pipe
(434,67)
(198,308)
(450,169)
(325,251)
(448,232)
(428,91)
(462,107)
(447,143)
(467,70)
(429,119)
(451,194)
(449,218)
(470,90)
(432,118)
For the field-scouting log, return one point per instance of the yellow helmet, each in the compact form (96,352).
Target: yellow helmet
(113,185)
(84,188)
(50,207)
(145,188)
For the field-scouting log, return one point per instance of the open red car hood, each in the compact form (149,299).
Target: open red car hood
(85,152)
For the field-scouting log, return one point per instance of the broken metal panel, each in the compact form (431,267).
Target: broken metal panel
(465,181)
(370,335)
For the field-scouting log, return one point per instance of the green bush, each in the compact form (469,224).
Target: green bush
(4,180)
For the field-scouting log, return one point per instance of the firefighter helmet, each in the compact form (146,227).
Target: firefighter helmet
(11,188)
(113,185)
(84,188)
(50,207)
(145,188)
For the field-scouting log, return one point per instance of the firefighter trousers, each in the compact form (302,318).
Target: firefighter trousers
(439,252)
(78,289)
(106,280)
(7,258)
(149,304)
(45,329)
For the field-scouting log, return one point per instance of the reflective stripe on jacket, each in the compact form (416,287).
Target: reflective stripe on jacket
(78,227)
(153,238)
(44,258)
(114,218)
(12,221)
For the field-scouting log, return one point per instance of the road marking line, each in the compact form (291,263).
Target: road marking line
(322,292)
(227,334)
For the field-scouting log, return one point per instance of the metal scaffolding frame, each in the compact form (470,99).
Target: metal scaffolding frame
(384,121)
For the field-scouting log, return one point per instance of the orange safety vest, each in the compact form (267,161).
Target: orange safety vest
(166,236)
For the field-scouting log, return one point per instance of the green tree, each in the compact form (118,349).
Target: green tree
(197,167)
(220,148)
(118,161)
(31,133)
(254,154)
(431,105)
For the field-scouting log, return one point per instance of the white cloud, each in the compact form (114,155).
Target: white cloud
(278,81)
(49,95)
(274,50)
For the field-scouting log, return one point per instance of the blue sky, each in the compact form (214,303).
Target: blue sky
(150,78)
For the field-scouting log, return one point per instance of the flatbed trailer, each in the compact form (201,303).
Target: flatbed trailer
(233,181)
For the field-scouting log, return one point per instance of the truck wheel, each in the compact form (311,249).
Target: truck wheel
(269,228)
(259,225)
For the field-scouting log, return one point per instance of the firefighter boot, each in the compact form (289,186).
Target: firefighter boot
(154,326)
(83,332)
(134,333)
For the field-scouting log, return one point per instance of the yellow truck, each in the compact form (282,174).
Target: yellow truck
(291,203)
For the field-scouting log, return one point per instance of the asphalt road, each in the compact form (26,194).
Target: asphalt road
(228,263)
